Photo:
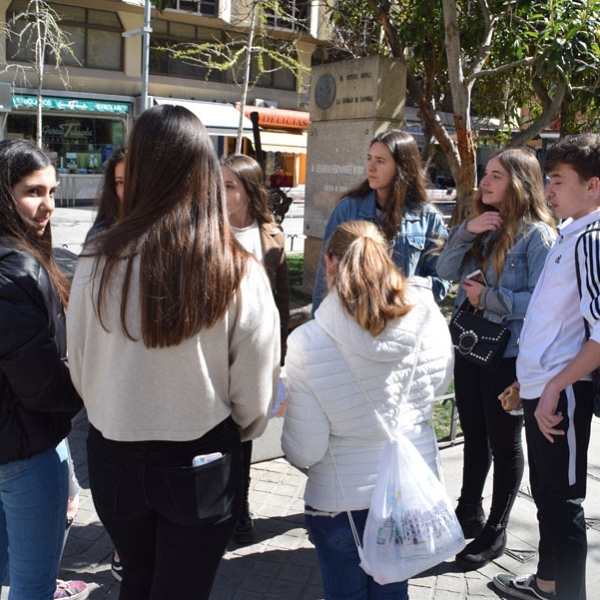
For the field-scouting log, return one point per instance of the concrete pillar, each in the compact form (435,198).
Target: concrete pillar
(351,102)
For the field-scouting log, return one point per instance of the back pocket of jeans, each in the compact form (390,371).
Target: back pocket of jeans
(105,481)
(203,495)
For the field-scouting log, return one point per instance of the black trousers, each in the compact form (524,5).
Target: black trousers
(490,435)
(247,464)
(557,473)
(168,520)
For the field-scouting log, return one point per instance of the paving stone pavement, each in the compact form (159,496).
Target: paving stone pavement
(281,563)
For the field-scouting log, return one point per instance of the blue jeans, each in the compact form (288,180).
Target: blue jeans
(33,509)
(343,579)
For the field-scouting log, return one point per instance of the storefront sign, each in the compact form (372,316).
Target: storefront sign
(278,118)
(67,130)
(114,108)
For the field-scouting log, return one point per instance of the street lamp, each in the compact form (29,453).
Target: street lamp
(145,31)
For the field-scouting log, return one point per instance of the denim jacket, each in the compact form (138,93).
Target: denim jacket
(414,249)
(505,299)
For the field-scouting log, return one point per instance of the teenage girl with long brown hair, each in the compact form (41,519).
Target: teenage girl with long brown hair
(508,240)
(176,354)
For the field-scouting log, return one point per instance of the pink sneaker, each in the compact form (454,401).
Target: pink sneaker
(75,590)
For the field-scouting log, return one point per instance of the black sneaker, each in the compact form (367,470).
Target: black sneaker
(116,568)
(523,587)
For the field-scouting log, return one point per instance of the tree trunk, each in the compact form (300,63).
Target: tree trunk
(466,177)
(40,46)
(247,65)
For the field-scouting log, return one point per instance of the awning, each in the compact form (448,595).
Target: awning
(219,119)
(273,141)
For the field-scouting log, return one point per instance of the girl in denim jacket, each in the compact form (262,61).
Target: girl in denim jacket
(394,197)
(507,240)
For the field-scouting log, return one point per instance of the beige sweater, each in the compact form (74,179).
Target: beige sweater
(135,393)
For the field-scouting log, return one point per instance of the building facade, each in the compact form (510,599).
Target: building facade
(86,120)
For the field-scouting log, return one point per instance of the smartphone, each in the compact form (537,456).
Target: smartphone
(477,276)
(203,459)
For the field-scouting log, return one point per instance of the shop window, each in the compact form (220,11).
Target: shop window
(209,8)
(95,37)
(290,14)
(75,144)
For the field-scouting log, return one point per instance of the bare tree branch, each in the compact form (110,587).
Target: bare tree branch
(38,27)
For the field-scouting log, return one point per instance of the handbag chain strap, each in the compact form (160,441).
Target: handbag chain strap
(381,420)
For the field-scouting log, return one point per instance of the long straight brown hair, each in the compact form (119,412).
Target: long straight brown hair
(409,187)
(251,176)
(108,201)
(174,218)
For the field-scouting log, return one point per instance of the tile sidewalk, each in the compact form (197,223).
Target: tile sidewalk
(281,563)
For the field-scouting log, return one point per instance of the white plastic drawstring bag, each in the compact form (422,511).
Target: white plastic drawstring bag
(411,525)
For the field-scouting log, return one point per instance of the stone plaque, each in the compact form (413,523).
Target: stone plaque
(352,102)
(366,88)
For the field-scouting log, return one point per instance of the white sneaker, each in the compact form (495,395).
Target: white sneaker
(524,587)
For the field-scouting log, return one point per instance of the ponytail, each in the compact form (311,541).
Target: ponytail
(369,285)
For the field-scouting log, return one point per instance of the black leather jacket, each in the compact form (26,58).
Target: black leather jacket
(37,398)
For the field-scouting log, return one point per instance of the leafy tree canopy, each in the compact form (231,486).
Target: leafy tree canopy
(524,62)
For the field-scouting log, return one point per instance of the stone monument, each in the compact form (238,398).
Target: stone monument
(351,102)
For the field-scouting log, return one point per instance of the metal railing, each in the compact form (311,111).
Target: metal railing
(454,438)
(73,187)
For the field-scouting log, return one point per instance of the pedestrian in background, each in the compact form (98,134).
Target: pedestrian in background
(253,226)
(110,198)
(37,398)
(108,204)
(507,241)
(363,340)
(393,196)
(176,355)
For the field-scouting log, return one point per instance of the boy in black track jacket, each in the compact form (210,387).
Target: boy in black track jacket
(553,370)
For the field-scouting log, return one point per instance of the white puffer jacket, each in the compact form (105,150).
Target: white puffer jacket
(326,404)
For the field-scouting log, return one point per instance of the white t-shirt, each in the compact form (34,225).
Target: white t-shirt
(249,237)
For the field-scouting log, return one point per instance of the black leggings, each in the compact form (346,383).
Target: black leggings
(490,434)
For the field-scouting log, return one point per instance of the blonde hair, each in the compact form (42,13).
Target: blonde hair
(523,203)
(368,283)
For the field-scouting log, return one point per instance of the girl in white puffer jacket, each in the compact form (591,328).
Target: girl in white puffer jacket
(363,340)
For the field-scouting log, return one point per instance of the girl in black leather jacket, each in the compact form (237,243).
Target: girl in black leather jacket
(37,398)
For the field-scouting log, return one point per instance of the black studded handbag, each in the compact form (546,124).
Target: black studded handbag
(477,339)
